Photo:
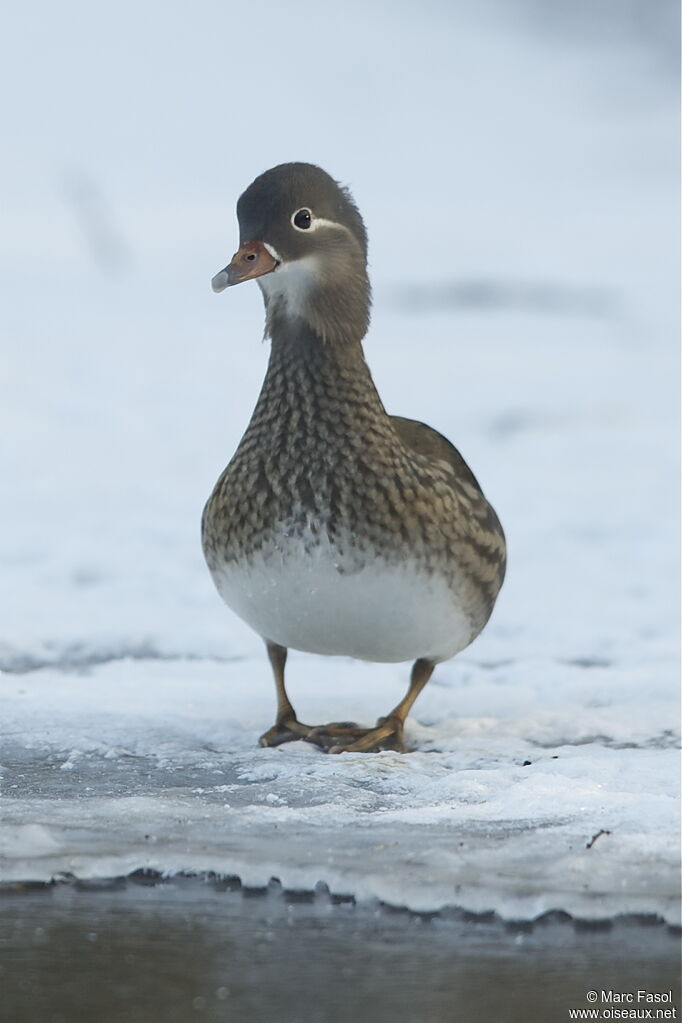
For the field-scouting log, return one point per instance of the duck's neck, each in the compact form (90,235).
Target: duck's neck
(333,304)
(318,389)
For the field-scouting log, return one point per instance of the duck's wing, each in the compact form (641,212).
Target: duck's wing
(429,442)
(482,531)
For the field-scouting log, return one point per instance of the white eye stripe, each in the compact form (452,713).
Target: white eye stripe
(318,222)
(315,222)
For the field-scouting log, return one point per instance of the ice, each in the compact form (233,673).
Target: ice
(153,764)
(523,255)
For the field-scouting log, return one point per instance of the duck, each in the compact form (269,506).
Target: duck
(336,528)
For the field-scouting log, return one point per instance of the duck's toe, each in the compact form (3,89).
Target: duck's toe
(347,737)
(285,731)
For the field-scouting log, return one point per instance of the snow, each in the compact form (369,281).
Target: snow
(525,304)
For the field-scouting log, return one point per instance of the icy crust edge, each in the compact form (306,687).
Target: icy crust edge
(417,859)
(296,885)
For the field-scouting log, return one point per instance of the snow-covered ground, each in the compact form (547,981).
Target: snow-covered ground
(518,179)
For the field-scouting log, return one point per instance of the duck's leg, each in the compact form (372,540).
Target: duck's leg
(287,727)
(388,733)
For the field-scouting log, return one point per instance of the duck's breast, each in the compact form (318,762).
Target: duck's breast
(329,596)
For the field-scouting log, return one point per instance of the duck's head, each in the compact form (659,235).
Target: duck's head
(302,237)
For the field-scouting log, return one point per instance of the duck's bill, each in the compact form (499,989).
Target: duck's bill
(252,260)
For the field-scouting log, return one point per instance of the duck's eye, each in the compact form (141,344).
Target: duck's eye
(302,219)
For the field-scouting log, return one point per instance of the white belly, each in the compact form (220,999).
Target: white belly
(316,599)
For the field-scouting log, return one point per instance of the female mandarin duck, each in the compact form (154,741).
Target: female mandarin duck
(337,528)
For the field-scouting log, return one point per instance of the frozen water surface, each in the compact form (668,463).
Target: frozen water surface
(525,306)
(153,764)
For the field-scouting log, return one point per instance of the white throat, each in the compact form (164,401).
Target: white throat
(290,284)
